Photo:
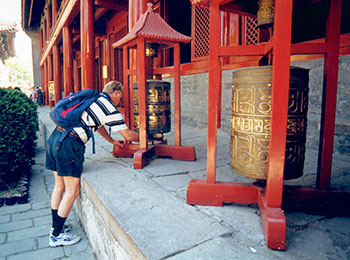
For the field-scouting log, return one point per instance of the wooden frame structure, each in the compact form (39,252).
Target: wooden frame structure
(150,28)
(318,200)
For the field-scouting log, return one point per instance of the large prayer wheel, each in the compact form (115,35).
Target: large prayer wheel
(157,104)
(265,13)
(251,117)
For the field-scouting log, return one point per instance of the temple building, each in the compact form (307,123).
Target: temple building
(7,49)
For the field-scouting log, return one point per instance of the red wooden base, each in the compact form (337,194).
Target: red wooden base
(305,199)
(325,202)
(142,157)
(273,220)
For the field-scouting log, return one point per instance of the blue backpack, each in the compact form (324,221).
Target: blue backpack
(67,112)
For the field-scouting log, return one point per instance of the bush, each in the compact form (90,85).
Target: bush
(18,127)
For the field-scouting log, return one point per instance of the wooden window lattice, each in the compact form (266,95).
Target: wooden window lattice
(251,31)
(200,43)
(201,31)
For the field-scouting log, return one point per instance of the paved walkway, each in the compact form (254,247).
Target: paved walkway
(24,228)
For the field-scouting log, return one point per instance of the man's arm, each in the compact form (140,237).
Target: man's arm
(103,132)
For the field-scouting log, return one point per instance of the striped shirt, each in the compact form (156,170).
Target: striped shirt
(100,112)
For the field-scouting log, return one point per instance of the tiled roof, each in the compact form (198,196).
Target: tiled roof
(151,26)
(8,27)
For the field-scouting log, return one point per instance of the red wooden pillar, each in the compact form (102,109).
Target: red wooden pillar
(48,22)
(41,37)
(177,94)
(44,83)
(329,97)
(49,68)
(141,76)
(213,90)
(44,34)
(127,92)
(56,73)
(67,60)
(279,101)
(136,8)
(76,78)
(87,41)
(54,12)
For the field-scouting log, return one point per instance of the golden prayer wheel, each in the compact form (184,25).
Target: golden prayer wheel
(251,116)
(265,12)
(157,104)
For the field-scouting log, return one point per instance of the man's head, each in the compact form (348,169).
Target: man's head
(115,90)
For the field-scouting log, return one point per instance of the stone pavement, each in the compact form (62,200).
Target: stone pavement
(24,228)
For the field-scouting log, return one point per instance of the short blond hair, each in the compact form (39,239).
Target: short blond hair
(112,87)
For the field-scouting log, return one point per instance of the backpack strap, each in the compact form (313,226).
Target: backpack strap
(59,141)
(93,139)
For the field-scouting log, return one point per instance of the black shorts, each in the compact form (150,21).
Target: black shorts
(69,158)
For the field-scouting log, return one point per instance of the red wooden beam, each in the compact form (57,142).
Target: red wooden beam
(177,94)
(141,78)
(240,50)
(309,48)
(112,4)
(214,70)
(200,192)
(279,102)
(329,97)
(325,202)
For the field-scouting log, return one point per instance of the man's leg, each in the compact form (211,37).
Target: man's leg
(72,190)
(72,185)
(56,196)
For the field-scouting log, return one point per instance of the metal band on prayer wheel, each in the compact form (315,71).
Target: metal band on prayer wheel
(157,104)
(251,115)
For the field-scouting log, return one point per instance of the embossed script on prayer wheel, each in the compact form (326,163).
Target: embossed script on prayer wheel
(251,114)
(157,104)
(265,12)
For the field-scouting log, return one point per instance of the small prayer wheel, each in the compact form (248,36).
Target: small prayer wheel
(157,104)
(251,116)
(266,12)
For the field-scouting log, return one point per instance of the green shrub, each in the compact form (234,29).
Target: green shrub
(18,127)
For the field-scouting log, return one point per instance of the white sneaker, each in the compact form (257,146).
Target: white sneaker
(63,239)
(66,228)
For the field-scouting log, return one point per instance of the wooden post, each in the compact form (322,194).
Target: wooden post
(177,94)
(44,83)
(279,101)
(213,92)
(126,83)
(48,22)
(329,97)
(56,73)
(67,60)
(76,78)
(141,78)
(87,41)
(54,12)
